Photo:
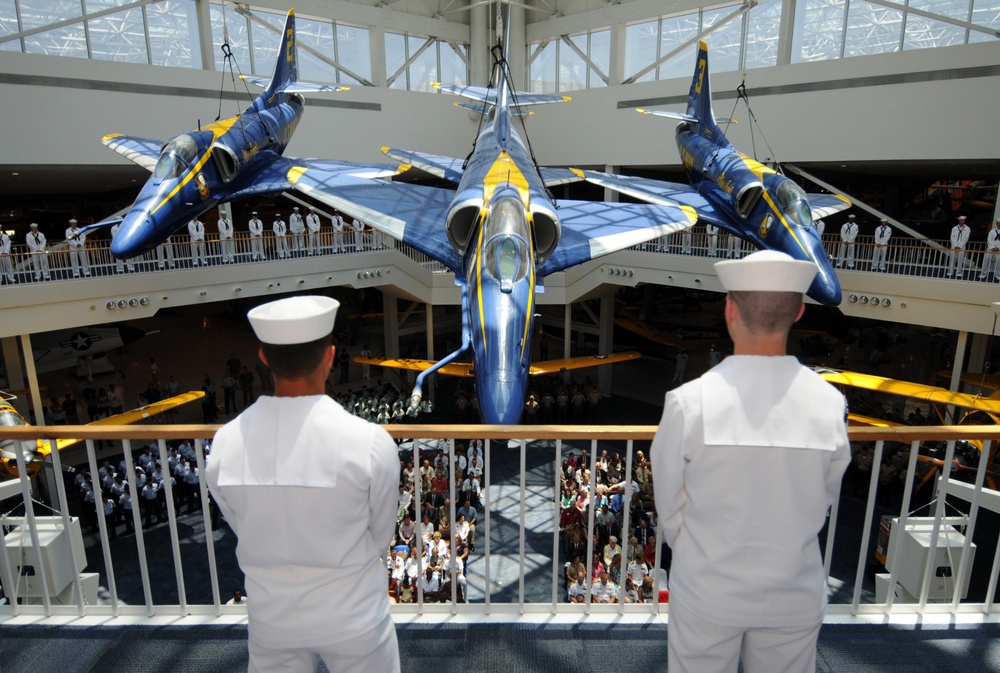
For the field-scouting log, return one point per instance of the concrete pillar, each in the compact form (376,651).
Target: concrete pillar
(205,34)
(616,66)
(390,327)
(29,365)
(479,47)
(606,341)
(517,46)
(376,45)
(15,372)
(956,372)
(567,336)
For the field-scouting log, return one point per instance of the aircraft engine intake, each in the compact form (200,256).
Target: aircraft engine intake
(546,229)
(746,198)
(227,161)
(463,216)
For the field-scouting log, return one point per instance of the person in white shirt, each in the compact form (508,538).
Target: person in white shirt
(848,233)
(6,265)
(237,599)
(77,244)
(280,241)
(713,239)
(956,255)
(359,228)
(296,465)
(339,245)
(313,225)
(119,266)
(296,228)
(578,590)
(604,591)
(256,228)
(36,243)
(992,253)
(226,243)
(196,230)
(882,235)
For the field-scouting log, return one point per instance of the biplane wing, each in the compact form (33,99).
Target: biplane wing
(464,369)
(39,450)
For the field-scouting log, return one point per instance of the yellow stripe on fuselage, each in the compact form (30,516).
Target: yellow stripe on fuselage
(218,129)
(505,172)
(760,170)
(479,277)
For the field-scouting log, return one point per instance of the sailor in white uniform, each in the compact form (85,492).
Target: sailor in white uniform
(6,265)
(992,253)
(280,241)
(848,233)
(196,229)
(746,463)
(956,256)
(226,243)
(77,244)
(713,240)
(309,491)
(313,225)
(256,228)
(296,228)
(35,240)
(882,235)
(359,229)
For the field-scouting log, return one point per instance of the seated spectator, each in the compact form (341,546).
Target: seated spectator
(604,591)
(631,594)
(577,591)
(431,585)
(646,592)
(406,590)
(407,531)
(574,568)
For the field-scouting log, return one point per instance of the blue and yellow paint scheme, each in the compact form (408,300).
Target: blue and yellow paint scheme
(736,193)
(230,159)
(500,232)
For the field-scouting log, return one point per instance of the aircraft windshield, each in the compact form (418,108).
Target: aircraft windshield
(9,419)
(506,252)
(175,157)
(794,203)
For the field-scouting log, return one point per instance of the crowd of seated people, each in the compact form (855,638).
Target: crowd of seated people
(423,556)
(614,493)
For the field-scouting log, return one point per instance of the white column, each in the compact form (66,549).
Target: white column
(956,372)
(29,366)
(479,47)
(605,341)
(205,34)
(15,372)
(517,42)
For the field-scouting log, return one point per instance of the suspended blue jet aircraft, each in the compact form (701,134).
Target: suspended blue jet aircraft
(223,161)
(732,191)
(500,232)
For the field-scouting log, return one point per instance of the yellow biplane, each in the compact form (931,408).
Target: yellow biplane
(978,410)
(36,451)
(464,369)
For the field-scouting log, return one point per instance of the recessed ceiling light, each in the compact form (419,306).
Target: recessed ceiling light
(15,174)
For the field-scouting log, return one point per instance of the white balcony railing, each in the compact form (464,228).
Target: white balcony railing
(519,534)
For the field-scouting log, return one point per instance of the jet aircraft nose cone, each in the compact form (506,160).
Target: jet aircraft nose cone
(825,287)
(133,237)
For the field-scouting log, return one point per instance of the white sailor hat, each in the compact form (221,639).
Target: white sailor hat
(34,224)
(884,221)
(961,218)
(254,212)
(295,320)
(851,216)
(295,208)
(72,221)
(766,271)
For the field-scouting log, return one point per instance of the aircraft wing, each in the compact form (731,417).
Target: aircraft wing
(133,416)
(463,369)
(142,151)
(987,381)
(447,168)
(293,87)
(917,391)
(658,192)
(413,214)
(591,229)
(826,204)
(274,178)
(559,176)
(556,366)
(651,333)
(488,96)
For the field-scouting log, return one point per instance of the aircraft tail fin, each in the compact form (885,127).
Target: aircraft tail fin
(286,70)
(700,99)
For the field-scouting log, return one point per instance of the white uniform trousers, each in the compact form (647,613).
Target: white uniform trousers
(846,250)
(880,258)
(165,251)
(695,645)
(713,245)
(281,245)
(733,247)
(313,244)
(990,260)
(228,246)
(7,268)
(78,259)
(40,263)
(256,248)
(959,257)
(198,252)
(373,653)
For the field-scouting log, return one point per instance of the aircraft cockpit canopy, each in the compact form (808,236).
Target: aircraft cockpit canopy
(176,157)
(506,251)
(794,203)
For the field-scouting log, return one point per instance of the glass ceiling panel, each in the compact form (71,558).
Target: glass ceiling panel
(119,37)
(8,23)
(924,33)
(600,54)
(819,30)
(265,42)
(173,33)
(763,25)
(985,13)
(953,9)
(543,70)
(239,40)
(395,57)
(572,68)
(723,42)
(98,5)
(872,29)
(423,70)
(453,68)
(641,41)
(39,13)
(354,52)
(675,31)
(66,41)
(319,36)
